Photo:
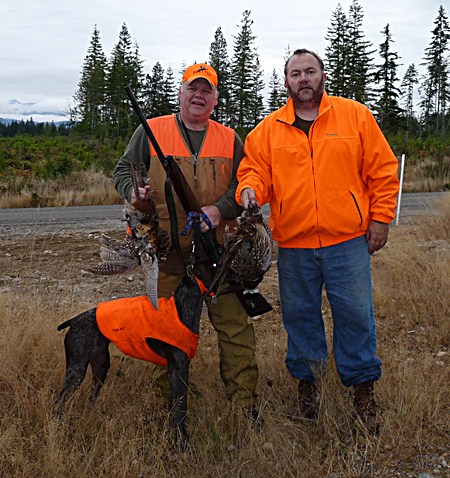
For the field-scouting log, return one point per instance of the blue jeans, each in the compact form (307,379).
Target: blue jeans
(344,269)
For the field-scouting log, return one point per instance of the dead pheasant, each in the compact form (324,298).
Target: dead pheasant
(247,252)
(146,243)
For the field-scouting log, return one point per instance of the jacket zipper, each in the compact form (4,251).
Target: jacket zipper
(188,143)
(194,163)
(314,175)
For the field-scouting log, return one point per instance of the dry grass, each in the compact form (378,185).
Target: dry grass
(85,188)
(428,174)
(126,433)
(92,188)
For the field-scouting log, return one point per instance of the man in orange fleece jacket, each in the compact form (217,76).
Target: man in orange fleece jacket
(331,180)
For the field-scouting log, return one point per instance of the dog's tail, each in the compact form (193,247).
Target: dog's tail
(64,324)
(88,314)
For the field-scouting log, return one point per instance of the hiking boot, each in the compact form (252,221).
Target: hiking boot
(308,399)
(365,406)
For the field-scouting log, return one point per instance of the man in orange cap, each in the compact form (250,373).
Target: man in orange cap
(208,154)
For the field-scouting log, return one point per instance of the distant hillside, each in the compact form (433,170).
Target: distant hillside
(8,121)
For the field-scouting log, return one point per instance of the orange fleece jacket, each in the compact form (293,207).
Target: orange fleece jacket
(324,189)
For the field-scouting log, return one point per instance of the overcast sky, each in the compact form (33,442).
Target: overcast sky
(44,42)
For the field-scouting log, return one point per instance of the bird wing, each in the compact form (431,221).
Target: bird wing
(112,268)
(225,266)
(117,258)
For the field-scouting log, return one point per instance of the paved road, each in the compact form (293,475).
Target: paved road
(49,220)
(91,219)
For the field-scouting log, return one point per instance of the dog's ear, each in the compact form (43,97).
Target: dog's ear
(189,303)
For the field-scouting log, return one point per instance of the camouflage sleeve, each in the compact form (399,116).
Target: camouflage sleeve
(137,152)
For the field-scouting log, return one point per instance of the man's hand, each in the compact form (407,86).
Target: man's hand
(376,235)
(214,216)
(142,192)
(248,196)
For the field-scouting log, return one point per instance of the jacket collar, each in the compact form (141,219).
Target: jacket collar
(287,112)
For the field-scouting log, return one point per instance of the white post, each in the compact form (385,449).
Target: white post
(399,199)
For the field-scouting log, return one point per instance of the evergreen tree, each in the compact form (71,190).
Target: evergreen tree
(257,98)
(15,127)
(337,53)
(181,72)
(277,95)
(170,97)
(63,129)
(89,99)
(245,73)
(146,94)
(30,127)
(124,68)
(154,92)
(218,59)
(407,88)
(284,94)
(287,55)
(385,78)
(358,67)
(435,87)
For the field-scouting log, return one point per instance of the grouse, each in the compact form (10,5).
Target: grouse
(247,253)
(146,243)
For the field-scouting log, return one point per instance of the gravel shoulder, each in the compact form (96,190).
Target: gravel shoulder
(55,246)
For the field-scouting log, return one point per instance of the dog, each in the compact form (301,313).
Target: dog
(168,329)
(86,345)
(91,332)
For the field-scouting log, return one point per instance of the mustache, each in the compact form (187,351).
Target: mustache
(317,92)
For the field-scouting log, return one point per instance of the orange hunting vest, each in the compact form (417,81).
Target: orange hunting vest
(214,170)
(128,322)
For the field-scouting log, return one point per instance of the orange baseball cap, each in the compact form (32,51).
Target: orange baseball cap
(200,70)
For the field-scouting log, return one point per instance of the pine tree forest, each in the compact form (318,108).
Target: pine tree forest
(415,106)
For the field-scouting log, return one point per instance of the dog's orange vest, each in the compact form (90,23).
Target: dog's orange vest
(128,322)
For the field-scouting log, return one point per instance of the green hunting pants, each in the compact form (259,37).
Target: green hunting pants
(236,340)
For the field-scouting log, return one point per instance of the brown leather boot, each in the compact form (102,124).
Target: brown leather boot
(308,399)
(365,406)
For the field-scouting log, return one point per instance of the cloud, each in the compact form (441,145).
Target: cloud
(45,110)
(44,43)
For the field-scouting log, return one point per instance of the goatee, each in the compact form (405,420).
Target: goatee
(315,100)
